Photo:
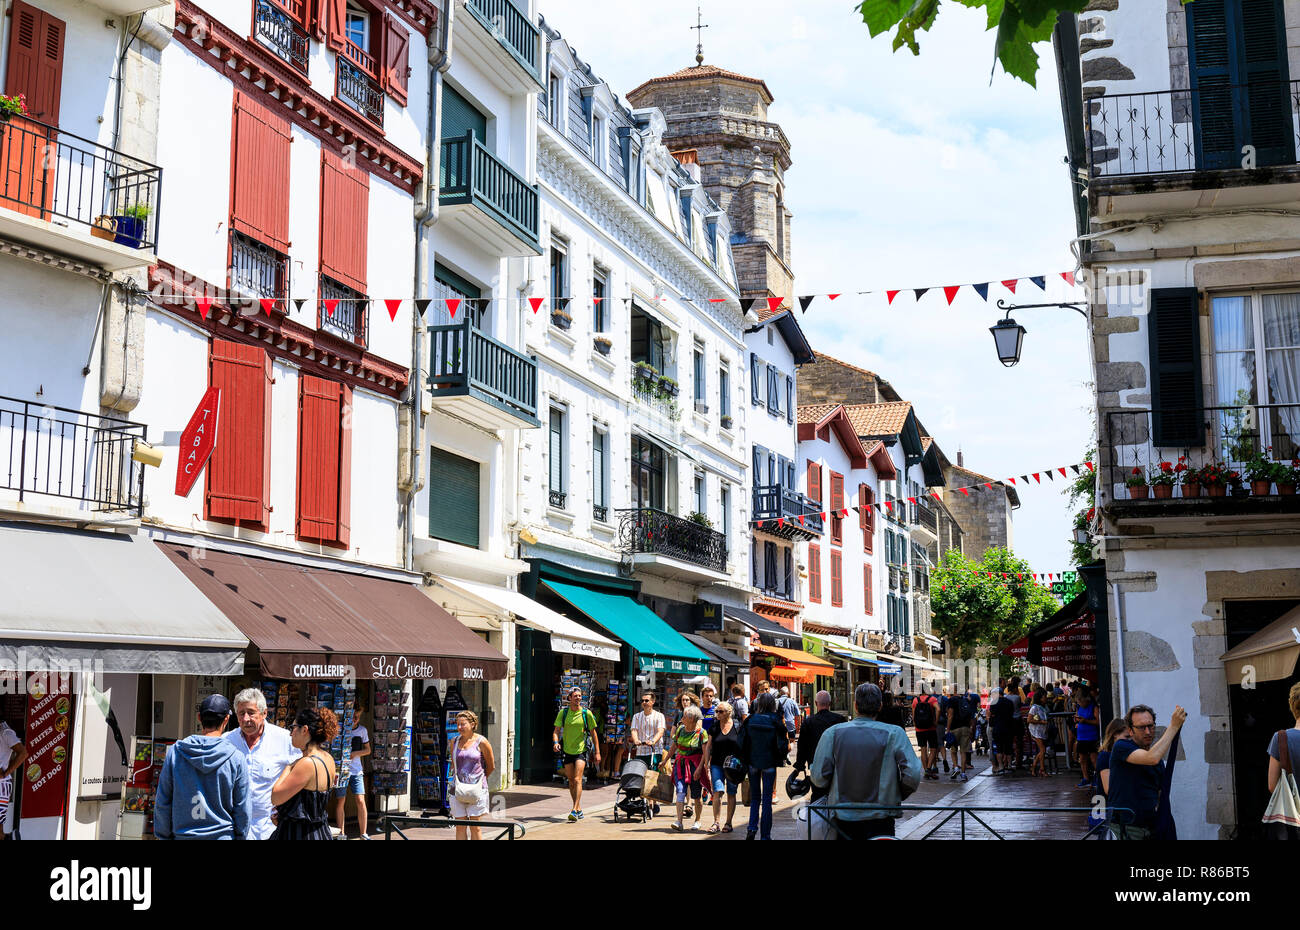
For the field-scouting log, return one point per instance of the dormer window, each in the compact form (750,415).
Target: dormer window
(555,101)
(598,142)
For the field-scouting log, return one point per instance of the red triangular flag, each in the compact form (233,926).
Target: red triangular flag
(891,295)
(912,500)
(951,292)
(392,305)
(801,523)
(1089,464)
(268,304)
(780,521)
(1012,480)
(1061,469)
(1069,277)
(204,304)
(1020,576)
(1011,284)
(989,485)
(717,300)
(773,303)
(832,296)
(845,513)
(536,302)
(1004,574)
(453,304)
(1037,480)
(964,491)
(935,495)
(330,306)
(890,506)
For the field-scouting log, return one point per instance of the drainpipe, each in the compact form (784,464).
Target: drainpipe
(426,214)
(1119,648)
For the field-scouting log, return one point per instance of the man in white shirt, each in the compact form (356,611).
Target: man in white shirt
(12,756)
(267,750)
(359,740)
(648,727)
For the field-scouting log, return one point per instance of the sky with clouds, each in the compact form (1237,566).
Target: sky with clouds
(907,172)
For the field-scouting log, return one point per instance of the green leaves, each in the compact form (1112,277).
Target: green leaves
(973,609)
(1019,24)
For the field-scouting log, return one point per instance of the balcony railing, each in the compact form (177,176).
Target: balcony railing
(1174,131)
(896,512)
(257,270)
(511,27)
(359,89)
(1231,436)
(464,361)
(351,317)
(654,531)
(920,581)
(924,516)
(774,501)
(50,174)
(278,29)
(59,452)
(470,174)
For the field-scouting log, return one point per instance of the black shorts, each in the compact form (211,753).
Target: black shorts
(927,739)
(1087,745)
(571,757)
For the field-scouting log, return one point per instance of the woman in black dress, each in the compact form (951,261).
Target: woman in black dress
(301,794)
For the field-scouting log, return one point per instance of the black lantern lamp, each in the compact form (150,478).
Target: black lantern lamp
(1008,336)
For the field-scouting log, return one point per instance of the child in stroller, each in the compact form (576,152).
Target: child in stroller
(631,785)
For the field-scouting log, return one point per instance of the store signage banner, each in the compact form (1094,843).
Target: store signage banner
(579,647)
(48,736)
(673,666)
(1073,650)
(707,617)
(296,666)
(780,640)
(888,668)
(197,442)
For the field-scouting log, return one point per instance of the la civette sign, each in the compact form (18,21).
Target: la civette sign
(197,442)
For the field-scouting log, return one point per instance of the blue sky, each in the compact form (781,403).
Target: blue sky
(908,172)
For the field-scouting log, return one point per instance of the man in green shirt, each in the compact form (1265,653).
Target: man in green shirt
(576,726)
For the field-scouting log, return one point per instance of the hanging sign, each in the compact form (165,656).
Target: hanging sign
(197,442)
(48,737)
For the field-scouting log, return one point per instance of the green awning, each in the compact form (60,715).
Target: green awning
(638,626)
(837,645)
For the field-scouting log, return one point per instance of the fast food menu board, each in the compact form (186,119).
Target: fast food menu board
(49,740)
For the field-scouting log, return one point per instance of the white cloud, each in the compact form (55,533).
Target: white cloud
(909,171)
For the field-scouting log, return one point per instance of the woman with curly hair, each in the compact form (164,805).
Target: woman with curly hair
(301,794)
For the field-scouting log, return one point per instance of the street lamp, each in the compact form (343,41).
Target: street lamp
(1009,336)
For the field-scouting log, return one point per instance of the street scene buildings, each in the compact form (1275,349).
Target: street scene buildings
(449,376)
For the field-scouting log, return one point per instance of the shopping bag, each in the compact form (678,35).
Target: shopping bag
(658,786)
(1283,812)
(822,829)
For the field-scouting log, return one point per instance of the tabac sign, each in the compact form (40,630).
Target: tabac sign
(197,442)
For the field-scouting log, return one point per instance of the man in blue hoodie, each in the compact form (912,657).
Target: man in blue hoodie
(203,788)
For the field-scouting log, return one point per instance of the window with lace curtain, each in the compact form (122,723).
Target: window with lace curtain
(1256,339)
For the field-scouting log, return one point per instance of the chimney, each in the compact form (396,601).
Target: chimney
(961,463)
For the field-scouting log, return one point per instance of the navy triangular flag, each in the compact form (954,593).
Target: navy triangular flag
(982,290)
(563,303)
(1076,468)
(919,292)
(298,302)
(1040,280)
(422,304)
(747,304)
(804,302)
(1049,475)
(478,305)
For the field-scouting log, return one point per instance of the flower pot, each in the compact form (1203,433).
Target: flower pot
(1216,490)
(561,320)
(603,347)
(726,422)
(668,388)
(104,227)
(1138,492)
(130,231)
(1162,491)
(1261,488)
(1192,489)
(1286,489)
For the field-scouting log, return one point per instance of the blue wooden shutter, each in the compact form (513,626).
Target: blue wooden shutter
(1174,338)
(789,399)
(758,465)
(770,581)
(756,398)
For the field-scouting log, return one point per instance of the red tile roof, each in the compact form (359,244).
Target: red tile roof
(703,72)
(885,419)
(813,413)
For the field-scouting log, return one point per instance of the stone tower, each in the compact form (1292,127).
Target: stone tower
(721,116)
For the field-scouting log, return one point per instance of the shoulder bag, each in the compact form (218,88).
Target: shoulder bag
(1282,816)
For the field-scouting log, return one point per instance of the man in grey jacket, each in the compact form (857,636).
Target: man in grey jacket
(866,762)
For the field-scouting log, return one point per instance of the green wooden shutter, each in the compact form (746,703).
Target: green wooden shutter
(453,498)
(459,116)
(1211,55)
(1174,334)
(1264,70)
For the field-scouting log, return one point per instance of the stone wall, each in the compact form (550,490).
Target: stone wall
(827,381)
(985,517)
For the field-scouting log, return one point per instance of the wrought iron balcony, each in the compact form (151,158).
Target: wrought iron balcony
(350,319)
(924,517)
(75,196)
(651,531)
(557,498)
(802,515)
(279,27)
(357,85)
(511,28)
(257,270)
(473,178)
(479,378)
(600,513)
(56,452)
(1195,438)
(1177,131)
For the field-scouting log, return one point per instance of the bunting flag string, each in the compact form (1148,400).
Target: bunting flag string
(889,505)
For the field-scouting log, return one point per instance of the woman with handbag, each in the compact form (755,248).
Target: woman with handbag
(472,763)
(1038,733)
(724,742)
(688,753)
(1282,816)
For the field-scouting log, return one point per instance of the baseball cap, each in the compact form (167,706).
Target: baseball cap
(215,704)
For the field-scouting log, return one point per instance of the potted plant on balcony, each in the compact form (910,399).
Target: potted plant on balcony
(726,421)
(1215,477)
(700,519)
(603,344)
(561,319)
(1259,472)
(667,387)
(643,377)
(131,224)
(1162,480)
(1286,484)
(1137,484)
(1191,481)
(11,106)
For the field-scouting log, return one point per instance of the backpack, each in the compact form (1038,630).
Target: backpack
(588,723)
(961,711)
(923,718)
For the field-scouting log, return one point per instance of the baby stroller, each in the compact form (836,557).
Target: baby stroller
(981,734)
(631,783)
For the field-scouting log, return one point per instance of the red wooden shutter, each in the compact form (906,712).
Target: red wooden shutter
(344,537)
(394,53)
(314,23)
(259,203)
(868,607)
(837,504)
(866,501)
(814,481)
(336,23)
(344,221)
(837,579)
(36,61)
(815,573)
(862,507)
(320,455)
(238,481)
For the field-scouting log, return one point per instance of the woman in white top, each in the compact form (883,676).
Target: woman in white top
(1038,723)
(648,727)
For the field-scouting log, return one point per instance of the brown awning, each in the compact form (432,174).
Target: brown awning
(1272,651)
(313,623)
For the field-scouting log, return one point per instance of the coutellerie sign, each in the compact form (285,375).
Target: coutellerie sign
(337,666)
(197,442)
